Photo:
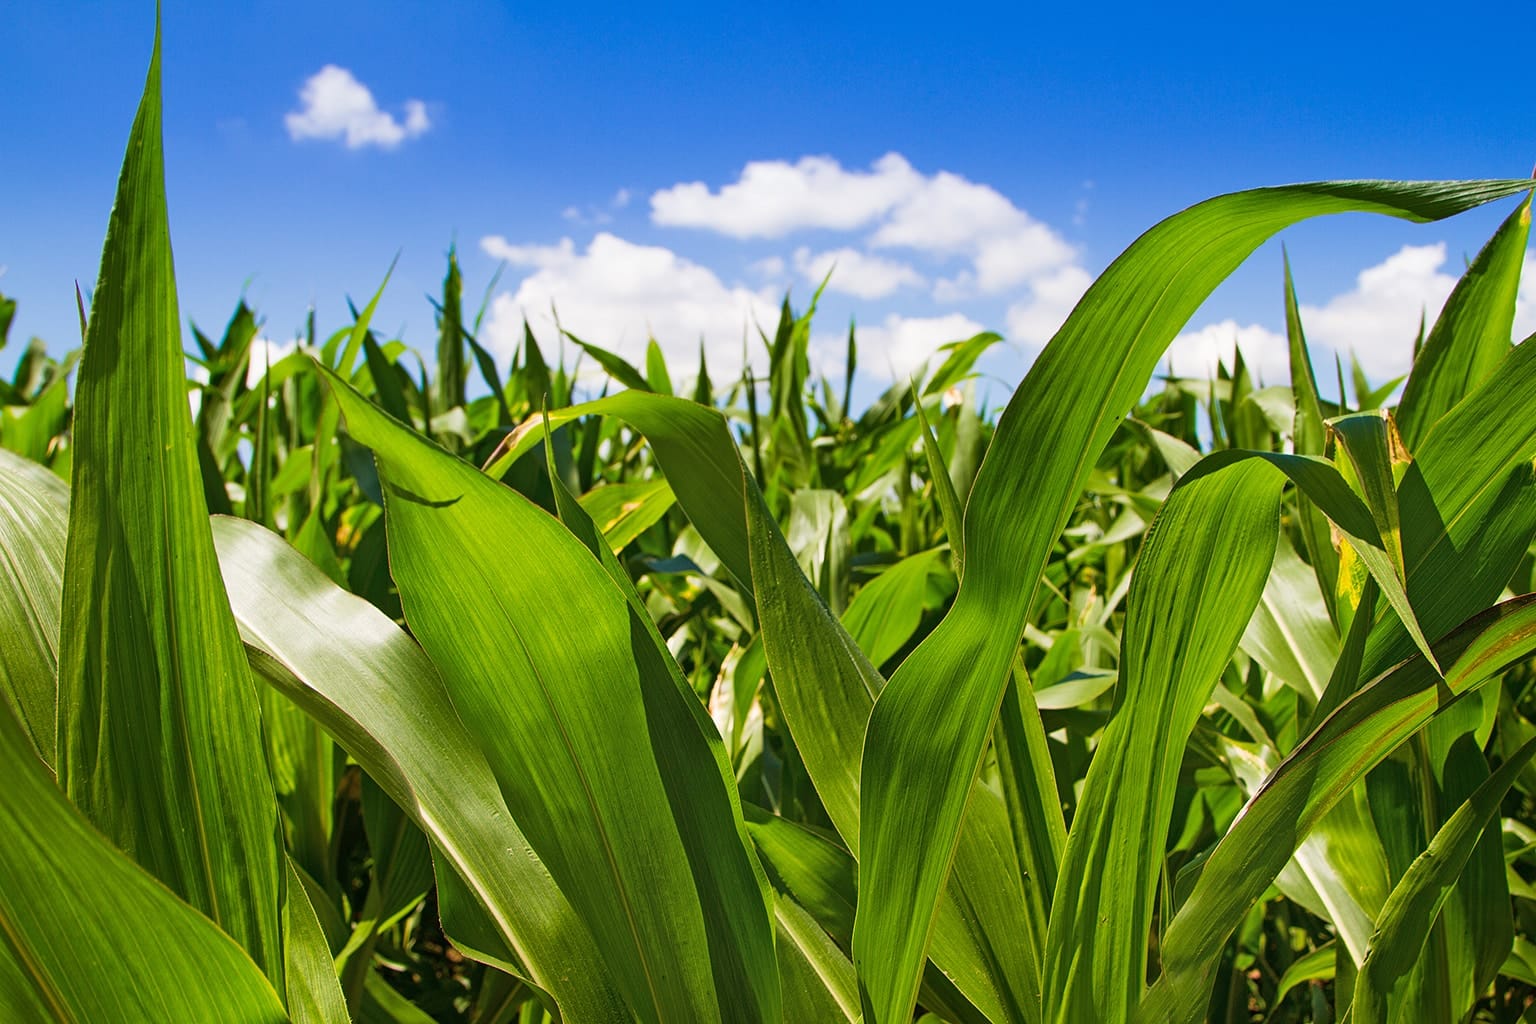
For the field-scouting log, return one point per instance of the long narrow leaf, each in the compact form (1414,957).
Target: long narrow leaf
(360,676)
(34,517)
(1417,899)
(1365,729)
(1197,581)
(159,731)
(929,729)
(76,914)
(595,804)
(825,687)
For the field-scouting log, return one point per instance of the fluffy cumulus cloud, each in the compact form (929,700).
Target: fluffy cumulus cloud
(1379,318)
(896,347)
(264,353)
(908,237)
(1376,320)
(334,105)
(943,216)
(774,197)
(1196,353)
(1033,319)
(856,273)
(615,292)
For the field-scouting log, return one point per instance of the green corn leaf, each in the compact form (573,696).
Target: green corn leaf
(887,610)
(815,873)
(1198,578)
(824,685)
(327,449)
(1290,634)
(386,382)
(624,511)
(1372,459)
(703,389)
(304,773)
(402,874)
(944,489)
(1467,521)
(1472,334)
(34,517)
(817,976)
(1365,729)
(818,536)
(928,732)
(1418,898)
(159,730)
(226,376)
(961,359)
(381,1004)
(733,924)
(76,917)
(1309,436)
(1465,506)
(656,369)
(33,430)
(1317,965)
(1028,783)
(361,677)
(451,370)
(614,365)
(601,807)
(314,994)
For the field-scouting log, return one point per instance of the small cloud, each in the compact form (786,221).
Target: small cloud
(1525,300)
(1379,318)
(771,267)
(856,273)
(615,293)
(1080,208)
(1197,353)
(335,105)
(264,353)
(774,197)
(894,349)
(589,217)
(941,217)
(1033,320)
(416,118)
(621,199)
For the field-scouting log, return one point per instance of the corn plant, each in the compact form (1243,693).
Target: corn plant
(373,696)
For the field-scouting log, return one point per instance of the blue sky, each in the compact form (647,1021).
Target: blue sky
(677,167)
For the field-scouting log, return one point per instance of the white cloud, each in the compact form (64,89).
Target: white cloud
(943,216)
(771,267)
(1196,353)
(948,214)
(895,348)
(615,292)
(1525,300)
(1033,320)
(335,105)
(266,352)
(1379,318)
(774,197)
(856,273)
(529,255)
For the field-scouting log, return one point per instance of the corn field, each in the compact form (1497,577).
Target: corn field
(400,687)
